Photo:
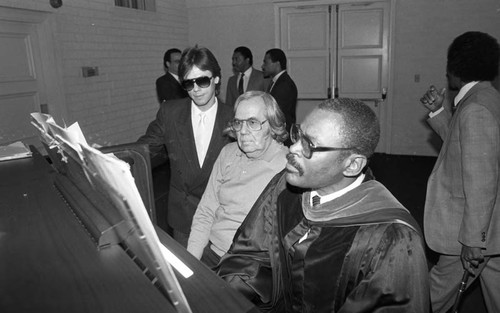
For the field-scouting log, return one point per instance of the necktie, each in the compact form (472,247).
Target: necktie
(202,138)
(316,200)
(240,84)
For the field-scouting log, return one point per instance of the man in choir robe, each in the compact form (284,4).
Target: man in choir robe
(325,236)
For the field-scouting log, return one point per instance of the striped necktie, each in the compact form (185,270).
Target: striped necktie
(316,200)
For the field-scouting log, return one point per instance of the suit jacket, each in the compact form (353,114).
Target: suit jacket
(168,88)
(256,82)
(173,129)
(284,92)
(462,205)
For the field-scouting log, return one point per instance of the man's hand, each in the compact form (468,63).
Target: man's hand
(471,257)
(432,99)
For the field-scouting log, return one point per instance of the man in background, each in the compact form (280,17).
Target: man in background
(191,130)
(245,77)
(281,87)
(168,86)
(325,236)
(462,207)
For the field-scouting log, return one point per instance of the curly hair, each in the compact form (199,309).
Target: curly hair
(273,114)
(474,56)
(360,129)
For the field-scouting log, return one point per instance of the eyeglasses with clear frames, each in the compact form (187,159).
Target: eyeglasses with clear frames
(308,147)
(252,124)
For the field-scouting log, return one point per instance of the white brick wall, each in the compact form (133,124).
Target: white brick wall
(126,45)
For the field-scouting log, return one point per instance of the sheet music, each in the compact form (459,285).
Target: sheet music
(113,177)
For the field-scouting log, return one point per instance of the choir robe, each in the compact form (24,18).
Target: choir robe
(364,253)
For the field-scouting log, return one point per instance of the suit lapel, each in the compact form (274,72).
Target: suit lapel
(216,143)
(184,128)
(251,81)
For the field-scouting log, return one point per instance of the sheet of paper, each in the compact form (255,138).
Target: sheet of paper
(16,150)
(119,183)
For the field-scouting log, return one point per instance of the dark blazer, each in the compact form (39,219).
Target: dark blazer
(173,129)
(284,92)
(462,205)
(256,82)
(168,88)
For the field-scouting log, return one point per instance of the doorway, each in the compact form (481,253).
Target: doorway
(337,49)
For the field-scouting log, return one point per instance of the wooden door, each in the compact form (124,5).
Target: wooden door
(340,50)
(307,43)
(21,88)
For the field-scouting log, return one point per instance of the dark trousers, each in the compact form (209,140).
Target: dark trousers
(209,257)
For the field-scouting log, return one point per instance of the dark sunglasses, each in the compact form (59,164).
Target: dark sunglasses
(308,147)
(202,82)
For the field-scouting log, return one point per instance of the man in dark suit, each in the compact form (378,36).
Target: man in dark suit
(282,87)
(168,86)
(462,207)
(191,130)
(246,78)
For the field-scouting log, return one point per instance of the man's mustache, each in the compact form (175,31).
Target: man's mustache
(291,160)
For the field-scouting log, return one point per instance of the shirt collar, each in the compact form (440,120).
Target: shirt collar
(175,76)
(211,113)
(463,91)
(275,78)
(339,193)
(248,72)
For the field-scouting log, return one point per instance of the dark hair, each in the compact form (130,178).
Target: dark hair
(275,117)
(474,56)
(361,129)
(202,58)
(277,55)
(168,54)
(245,52)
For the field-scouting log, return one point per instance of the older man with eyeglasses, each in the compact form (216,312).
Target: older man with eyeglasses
(241,172)
(191,132)
(324,236)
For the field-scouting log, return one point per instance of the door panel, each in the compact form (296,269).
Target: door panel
(342,47)
(19,81)
(363,58)
(360,76)
(363,50)
(305,39)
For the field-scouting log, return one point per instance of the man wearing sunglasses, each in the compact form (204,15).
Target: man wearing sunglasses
(191,131)
(324,236)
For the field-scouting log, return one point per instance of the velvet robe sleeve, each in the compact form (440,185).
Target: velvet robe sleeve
(389,274)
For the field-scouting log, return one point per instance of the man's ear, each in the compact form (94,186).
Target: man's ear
(216,79)
(167,64)
(354,165)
